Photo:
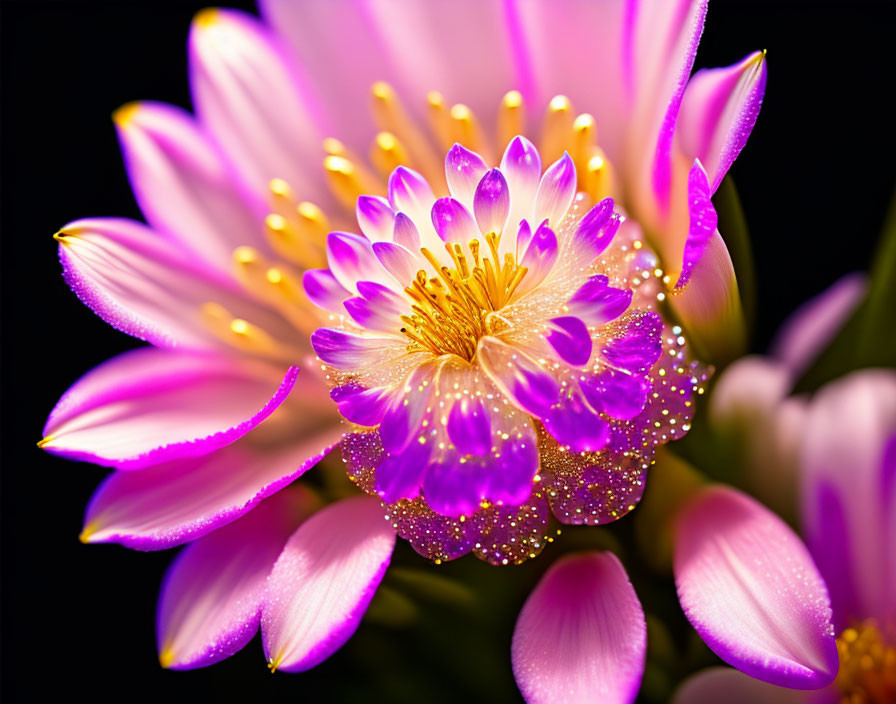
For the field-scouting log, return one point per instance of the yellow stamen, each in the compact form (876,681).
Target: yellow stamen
(557,131)
(207,17)
(345,180)
(598,181)
(166,657)
(242,334)
(46,441)
(387,153)
(439,122)
(125,115)
(584,141)
(390,116)
(511,117)
(867,672)
(465,129)
(88,532)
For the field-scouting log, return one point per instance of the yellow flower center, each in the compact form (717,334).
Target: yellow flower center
(867,665)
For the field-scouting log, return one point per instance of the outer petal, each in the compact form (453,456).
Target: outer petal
(750,588)
(849,492)
(150,406)
(718,112)
(146,286)
(813,325)
(210,604)
(323,581)
(182,184)
(180,501)
(722,684)
(254,105)
(581,635)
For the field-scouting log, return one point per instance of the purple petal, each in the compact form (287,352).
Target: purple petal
(513,472)
(351,260)
(402,422)
(400,476)
(176,502)
(397,260)
(405,233)
(344,350)
(619,395)
(556,191)
(703,221)
(454,488)
(210,604)
(639,346)
(375,217)
(453,221)
(581,634)
(597,303)
(596,230)
(521,166)
(491,204)
(749,587)
(324,290)
(323,581)
(539,257)
(379,308)
(464,170)
(517,375)
(410,193)
(574,425)
(361,406)
(150,406)
(570,339)
(469,427)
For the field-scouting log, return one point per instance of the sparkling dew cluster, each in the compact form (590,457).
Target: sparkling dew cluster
(502,353)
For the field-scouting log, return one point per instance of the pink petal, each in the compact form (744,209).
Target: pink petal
(521,166)
(345,350)
(398,261)
(179,501)
(749,587)
(150,406)
(183,186)
(210,604)
(517,375)
(556,191)
(581,634)
(453,221)
(464,170)
(146,286)
(375,217)
(351,260)
(324,290)
(808,330)
(253,103)
(719,109)
(703,222)
(849,492)
(722,684)
(491,203)
(323,581)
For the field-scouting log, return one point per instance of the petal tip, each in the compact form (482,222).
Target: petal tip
(124,116)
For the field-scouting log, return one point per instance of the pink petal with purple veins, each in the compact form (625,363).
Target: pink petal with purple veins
(464,170)
(718,112)
(848,493)
(573,424)
(469,427)
(517,375)
(703,222)
(405,233)
(619,395)
(144,285)
(179,501)
(323,581)
(183,186)
(210,604)
(324,290)
(521,166)
(453,222)
(375,218)
(597,303)
(571,340)
(556,191)
(345,350)
(751,590)
(397,260)
(809,329)
(722,684)
(491,204)
(150,406)
(253,103)
(581,635)
(351,260)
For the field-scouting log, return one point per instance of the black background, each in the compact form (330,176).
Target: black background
(815,182)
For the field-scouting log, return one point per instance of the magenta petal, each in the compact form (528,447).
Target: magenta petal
(150,406)
(703,221)
(581,635)
(351,260)
(517,375)
(638,348)
(399,476)
(323,581)
(398,260)
(378,308)
(491,204)
(375,218)
(210,604)
(539,257)
(405,233)
(619,395)
(179,501)
(324,290)
(722,684)
(570,339)
(469,427)
(464,170)
(453,222)
(556,191)
(596,230)
(345,350)
(521,166)
(410,193)
(751,590)
(573,424)
(513,471)
(360,405)
(597,303)
(454,488)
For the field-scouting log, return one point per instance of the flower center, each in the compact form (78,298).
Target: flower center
(867,665)
(453,310)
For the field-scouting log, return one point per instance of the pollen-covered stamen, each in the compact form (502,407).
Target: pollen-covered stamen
(452,311)
(867,665)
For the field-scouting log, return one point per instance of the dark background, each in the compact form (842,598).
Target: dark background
(815,182)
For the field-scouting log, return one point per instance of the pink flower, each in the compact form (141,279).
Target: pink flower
(208,429)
